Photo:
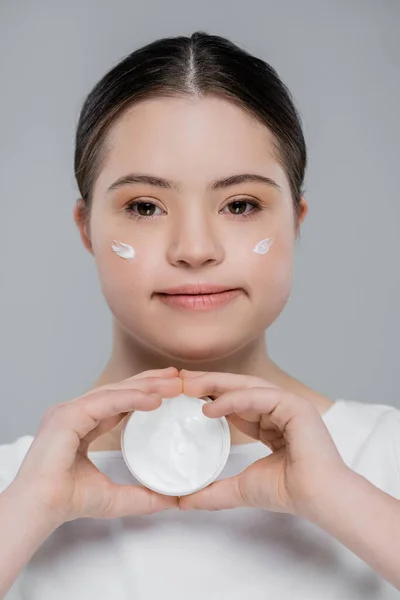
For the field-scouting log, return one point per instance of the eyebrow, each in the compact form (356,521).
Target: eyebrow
(159,182)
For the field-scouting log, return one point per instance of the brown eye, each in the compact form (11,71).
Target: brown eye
(141,210)
(239,206)
(145,209)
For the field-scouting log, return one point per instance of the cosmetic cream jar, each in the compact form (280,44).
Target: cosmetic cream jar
(175,449)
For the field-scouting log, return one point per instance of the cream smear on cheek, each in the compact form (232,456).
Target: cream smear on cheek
(263,246)
(123,250)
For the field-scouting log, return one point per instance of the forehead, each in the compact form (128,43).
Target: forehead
(189,140)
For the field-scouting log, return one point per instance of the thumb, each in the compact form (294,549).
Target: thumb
(185,374)
(131,500)
(218,495)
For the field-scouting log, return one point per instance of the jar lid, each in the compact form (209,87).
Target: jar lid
(175,449)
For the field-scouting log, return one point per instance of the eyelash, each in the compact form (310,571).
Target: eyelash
(256,206)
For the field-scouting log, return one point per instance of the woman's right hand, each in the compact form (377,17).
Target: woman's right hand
(56,473)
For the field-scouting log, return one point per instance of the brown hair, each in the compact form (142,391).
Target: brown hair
(197,65)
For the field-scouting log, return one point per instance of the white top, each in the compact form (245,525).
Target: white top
(234,554)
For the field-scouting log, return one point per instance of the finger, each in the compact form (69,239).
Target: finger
(139,500)
(136,500)
(255,401)
(254,430)
(69,422)
(284,410)
(276,444)
(222,494)
(185,374)
(167,372)
(246,427)
(108,424)
(240,407)
(103,427)
(85,413)
(214,384)
(136,382)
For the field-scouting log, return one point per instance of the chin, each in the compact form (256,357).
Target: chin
(197,350)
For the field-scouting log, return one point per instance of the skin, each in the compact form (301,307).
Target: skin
(192,235)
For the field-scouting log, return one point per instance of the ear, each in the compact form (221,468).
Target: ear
(81,218)
(301,213)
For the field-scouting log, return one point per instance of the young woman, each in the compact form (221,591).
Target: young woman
(190,162)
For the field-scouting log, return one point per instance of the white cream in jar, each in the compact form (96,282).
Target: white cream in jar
(175,449)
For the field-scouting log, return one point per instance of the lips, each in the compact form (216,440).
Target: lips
(204,301)
(196,289)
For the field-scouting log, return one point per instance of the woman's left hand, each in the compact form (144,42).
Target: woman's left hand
(304,465)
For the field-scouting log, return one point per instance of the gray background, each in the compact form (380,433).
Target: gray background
(339,332)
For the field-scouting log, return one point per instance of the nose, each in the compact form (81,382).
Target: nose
(194,243)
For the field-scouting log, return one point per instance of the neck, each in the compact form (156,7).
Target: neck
(129,357)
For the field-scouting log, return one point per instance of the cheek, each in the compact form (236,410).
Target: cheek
(121,278)
(271,275)
(118,269)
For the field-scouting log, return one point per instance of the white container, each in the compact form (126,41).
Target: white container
(175,449)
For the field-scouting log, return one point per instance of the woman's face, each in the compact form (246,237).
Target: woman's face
(192,234)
